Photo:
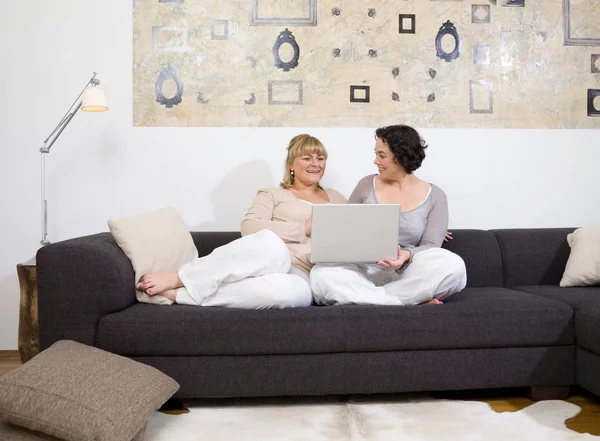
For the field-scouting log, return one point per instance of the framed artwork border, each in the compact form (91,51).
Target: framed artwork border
(366,99)
(592,94)
(567,39)
(298,101)
(490,88)
(184,33)
(311,20)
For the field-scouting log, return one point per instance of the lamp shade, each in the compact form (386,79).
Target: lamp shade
(94,100)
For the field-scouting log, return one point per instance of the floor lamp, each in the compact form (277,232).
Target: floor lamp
(91,99)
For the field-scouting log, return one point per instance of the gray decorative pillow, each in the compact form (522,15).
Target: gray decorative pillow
(80,393)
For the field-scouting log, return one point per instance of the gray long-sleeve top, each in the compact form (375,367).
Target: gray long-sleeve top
(420,228)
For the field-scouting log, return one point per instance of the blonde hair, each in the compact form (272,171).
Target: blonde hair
(300,145)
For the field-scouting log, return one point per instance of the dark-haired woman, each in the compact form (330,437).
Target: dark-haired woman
(422,272)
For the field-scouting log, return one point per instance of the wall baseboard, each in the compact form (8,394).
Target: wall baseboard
(9,354)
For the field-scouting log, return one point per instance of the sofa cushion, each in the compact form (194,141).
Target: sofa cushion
(576,297)
(80,393)
(474,318)
(196,330)
(534,256)
(481,252)
(587,329)
(157,241)
(583,266)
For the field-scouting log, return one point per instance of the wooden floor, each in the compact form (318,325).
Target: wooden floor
(512,400)
(587,421)
(8,364)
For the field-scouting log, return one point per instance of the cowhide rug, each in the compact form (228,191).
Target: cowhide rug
(418,419)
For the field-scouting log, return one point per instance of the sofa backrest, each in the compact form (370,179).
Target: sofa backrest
(533,256)
(207,241)
(508,257)
(479,249)
(481,252)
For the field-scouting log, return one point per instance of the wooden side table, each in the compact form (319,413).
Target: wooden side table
(29,345)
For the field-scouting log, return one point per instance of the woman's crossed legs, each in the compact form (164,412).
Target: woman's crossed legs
(250,272)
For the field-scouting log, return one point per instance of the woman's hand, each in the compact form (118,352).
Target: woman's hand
(448,236)
(308,226)
(403,257)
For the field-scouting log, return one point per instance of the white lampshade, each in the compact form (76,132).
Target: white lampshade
(94,100)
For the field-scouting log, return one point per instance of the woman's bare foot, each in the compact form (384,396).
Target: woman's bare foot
(433,302)
(158,283)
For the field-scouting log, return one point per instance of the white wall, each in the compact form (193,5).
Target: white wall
(103,167)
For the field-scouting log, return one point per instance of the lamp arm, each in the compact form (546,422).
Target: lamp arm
(63,122)
(62,126)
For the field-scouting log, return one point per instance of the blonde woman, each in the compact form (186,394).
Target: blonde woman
(267,267)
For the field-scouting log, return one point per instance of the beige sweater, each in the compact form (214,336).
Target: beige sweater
(278,210)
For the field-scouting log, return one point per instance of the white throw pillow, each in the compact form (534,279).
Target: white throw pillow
(154,242)
(583,266)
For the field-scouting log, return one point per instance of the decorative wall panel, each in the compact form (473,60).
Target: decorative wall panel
(328,63)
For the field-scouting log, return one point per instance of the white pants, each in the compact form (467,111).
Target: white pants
(253,272)
(433,273)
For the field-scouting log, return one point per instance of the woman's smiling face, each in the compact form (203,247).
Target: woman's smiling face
(385,160)
(309,168)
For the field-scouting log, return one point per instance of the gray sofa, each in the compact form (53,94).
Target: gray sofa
(513,326)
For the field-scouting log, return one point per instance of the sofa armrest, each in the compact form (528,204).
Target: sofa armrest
(80,280)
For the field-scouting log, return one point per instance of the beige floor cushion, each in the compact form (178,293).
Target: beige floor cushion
(10,432)
(81,393)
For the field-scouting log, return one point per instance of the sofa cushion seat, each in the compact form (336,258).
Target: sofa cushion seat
(576,297)
(587,329)
(474,318)
(179,330)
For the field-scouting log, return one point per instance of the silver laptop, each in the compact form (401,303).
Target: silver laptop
(346,233)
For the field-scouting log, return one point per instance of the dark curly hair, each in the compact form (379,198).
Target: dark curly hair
(405,143)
